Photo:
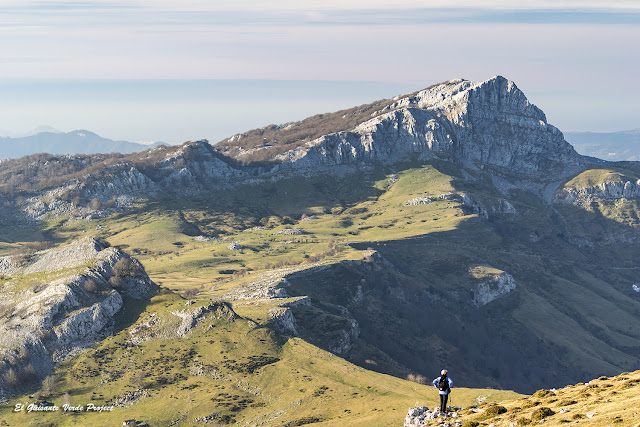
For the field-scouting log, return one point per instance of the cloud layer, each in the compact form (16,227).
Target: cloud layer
(557,51)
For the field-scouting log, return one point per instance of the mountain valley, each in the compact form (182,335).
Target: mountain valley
(324,271)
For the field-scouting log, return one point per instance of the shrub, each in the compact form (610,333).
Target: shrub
(302,421)
(49,385)
(11,377)
(23,353)
(417,378)
(90,285)
(36,286)
(44,334)
(6,311)
(28,373)
(346,222)
(492,411)
(540,413)
(103,242)
(95,204)
(137,379)
(530,404)
(190,293)
(542,393)
(566,402)
(111,203)
(126,267)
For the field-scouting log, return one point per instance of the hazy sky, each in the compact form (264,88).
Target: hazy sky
(178,70)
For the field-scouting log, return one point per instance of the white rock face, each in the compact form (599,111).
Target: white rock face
(191,318)
(7,266)
(119,187)
(346,338)
(604,190)
(490,123)
(284,321)
(423,200)
(492,289)
(291,231)
(71,256)
(85,327)
(268,287)
(421,416)
(499,206)
(192,167)
(45,322)
(234,246)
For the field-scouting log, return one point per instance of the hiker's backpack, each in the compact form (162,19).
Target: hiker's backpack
(443,384)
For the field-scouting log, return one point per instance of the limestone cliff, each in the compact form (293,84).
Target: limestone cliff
(477,124)
(618,189)
(493,288)
(60,302)
(490,124)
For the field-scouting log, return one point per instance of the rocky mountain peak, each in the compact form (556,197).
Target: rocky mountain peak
(490,123)
(495,94)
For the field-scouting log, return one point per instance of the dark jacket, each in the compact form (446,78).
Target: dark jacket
(447,391)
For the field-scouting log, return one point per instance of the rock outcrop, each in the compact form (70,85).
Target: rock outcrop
(60,302)
(422,416)
(423,200)
(116,188)
(346,338)
(192,167)
(491,289)
(496,206)
(620,189)
(191,318)
(283,321)
(476,124)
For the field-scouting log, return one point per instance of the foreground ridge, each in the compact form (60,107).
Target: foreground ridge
(604,401)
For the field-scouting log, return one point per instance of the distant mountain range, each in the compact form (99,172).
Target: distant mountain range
(74,142)
(615,146)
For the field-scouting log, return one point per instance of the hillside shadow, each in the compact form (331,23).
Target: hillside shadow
(579,278)
(17,226)
(251,205)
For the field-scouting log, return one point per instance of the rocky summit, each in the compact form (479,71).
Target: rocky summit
(477,124)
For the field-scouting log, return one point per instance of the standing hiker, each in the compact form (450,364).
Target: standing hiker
(443,383)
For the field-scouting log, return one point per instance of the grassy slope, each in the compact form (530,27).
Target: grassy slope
(290,381)
(364,212)
(594,219)
(357,209)
(593,177)
(601,402)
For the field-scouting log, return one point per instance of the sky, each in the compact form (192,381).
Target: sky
(160,70)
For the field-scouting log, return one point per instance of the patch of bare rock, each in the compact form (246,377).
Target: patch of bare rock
(60,302)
